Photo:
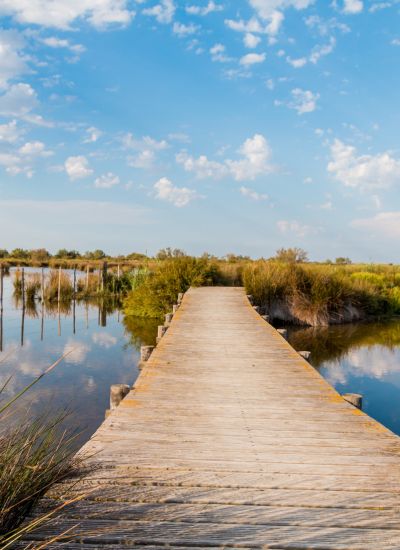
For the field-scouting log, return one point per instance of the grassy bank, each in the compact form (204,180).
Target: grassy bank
(319,295)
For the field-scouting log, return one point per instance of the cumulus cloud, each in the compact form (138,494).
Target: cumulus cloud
(253,26)
(250,40)
(363,171)
(34,149)
(252,194)
(10,132)
(303,101)
(178,196)
(77,351)
(106,181)
(204,10)
(104,339)
(146,148)
(218,54)
(63,13)
(255,160)
(54,42)
(353,6)
(77,167)
(265,8)
(163,12)
(12,59)
(92,134)
(182,30)
(386,224)
(18,101)
(252,59)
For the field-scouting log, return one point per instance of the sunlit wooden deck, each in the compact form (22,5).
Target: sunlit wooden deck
(230,439)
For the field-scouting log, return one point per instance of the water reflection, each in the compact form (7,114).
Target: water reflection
(104,350)
(361,358)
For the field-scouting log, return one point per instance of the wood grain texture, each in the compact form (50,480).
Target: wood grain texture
(230,438)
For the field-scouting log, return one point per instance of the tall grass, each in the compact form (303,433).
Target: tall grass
(315,295)
(34,455)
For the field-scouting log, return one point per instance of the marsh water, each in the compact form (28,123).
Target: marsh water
(361,358)
(104,350)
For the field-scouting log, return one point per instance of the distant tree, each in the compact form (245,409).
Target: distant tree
(291,255)
(165,253)
(39,255)
(233,258)
(20,253)
(95,255)
(328,261)
(136,256)
(3,253)
(69,254)
(342,261)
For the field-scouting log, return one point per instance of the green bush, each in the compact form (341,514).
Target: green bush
(156,293)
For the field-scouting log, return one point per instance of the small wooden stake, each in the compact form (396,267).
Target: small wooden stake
(168,318)
(250,298)
(354,399)
(180,297)
(175,308)
(145,352)
(117,394)
(282,332)
(59,285)
(256,308)
(305,355)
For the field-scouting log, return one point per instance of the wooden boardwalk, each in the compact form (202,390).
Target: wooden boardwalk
(230,439)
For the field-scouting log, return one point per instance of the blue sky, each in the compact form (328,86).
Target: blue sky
(214,126)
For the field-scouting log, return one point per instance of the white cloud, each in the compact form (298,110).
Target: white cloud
(265,8)
(353,6)
(204,10)
(297,63)
(363,171)
(62,13)
(182,30)
(10,132)
(218,54)
(253,26)
(77,351)
(304,101)
(19,100)
(93,134)
(77,167)
(395,42)
(255,161)
(106,181)
(146,148)
(322,50)
(251,40)
(178,196)
(164,11)
(252,59)
(34,149)
(12,60)
(54,42)
(384,223)
(202,166)
(251,194)
(295,227)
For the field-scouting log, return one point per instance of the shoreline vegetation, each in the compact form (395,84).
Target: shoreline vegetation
(287,287)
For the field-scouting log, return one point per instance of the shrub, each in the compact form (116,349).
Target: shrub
(155,294)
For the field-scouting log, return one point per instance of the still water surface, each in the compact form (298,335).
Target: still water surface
(105,350)
(360,358)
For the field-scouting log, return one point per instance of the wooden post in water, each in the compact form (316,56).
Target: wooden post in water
(282,332)
(180,298)
(175,308)
(305,355)
(161,330)
(23,287)
(256,308)
(104,271)
(117,393)
(59,285)
(42,286)
(168,319)
(145,353)
(354,399)
(87,278)
(266,318)
(250,298)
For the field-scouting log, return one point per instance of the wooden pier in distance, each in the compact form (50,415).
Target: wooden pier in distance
(230,439)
